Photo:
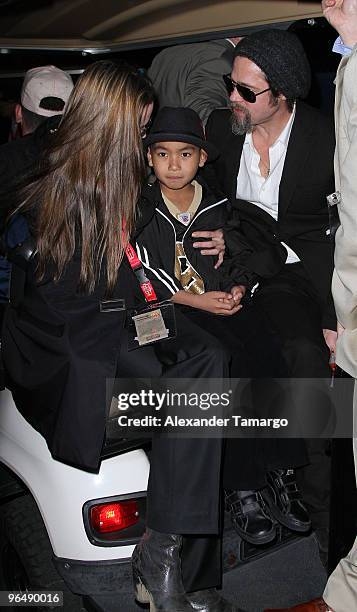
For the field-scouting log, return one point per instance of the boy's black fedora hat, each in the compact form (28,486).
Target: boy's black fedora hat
(177,124)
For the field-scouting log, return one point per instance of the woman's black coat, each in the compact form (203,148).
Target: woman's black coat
(59,349)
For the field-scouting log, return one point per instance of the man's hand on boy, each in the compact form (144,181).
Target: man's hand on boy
(215,246)
(217,302)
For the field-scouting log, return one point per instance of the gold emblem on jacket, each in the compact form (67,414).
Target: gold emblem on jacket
(188,277)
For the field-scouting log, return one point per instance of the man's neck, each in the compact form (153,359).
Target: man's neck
(182,198)
(270,131)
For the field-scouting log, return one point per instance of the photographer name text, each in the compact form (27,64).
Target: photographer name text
(214,421)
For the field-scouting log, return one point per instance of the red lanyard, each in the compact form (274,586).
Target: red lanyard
(136,265)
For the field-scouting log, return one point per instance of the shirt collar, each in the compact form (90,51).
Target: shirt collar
(340,47)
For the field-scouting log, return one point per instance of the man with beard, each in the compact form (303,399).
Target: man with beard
(276,167)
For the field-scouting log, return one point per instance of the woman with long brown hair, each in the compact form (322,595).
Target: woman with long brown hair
(94,174)
(81,208)
(65,336)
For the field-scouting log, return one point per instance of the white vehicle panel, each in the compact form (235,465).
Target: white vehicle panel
(60,490)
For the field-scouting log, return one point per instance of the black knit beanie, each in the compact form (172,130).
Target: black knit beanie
(280,55)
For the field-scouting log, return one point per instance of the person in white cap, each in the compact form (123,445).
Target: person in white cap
(44,93)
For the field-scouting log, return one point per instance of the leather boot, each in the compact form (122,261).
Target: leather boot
(156,568)
(210,601)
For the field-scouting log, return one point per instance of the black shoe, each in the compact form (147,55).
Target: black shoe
(250,516)
(210,601)
(156,568)
(285,501)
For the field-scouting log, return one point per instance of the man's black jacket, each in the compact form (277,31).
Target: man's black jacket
(303,220)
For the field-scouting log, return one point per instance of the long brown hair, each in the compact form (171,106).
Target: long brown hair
(94,171)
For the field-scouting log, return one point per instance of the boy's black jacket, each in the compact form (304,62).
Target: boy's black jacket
(155,245)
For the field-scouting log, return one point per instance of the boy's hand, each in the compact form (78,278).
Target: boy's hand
(215,246)
(238,292)
(217,302)
(342,15)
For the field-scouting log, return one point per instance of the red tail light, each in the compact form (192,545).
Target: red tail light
(106,518)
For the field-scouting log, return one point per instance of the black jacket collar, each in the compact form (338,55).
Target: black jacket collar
(301,137)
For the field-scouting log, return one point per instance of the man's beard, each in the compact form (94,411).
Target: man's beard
(240,124)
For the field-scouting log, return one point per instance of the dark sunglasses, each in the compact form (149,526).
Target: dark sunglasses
(247,94)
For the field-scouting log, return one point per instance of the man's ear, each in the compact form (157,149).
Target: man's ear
(18,113)
(148,154)
(203,158)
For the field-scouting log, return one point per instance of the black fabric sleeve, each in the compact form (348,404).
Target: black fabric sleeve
(234,270)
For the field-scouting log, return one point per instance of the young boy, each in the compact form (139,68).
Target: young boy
(176,150)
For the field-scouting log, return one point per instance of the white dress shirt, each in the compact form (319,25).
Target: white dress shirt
(261,191)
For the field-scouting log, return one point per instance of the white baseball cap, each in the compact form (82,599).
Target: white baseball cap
(44,82)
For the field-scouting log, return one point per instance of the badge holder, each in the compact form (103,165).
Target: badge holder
(153,323)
